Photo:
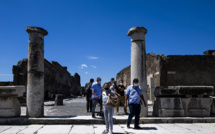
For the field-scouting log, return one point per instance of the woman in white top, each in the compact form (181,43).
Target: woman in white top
(108,112)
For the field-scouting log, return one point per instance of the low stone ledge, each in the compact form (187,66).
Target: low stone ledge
(184,91)
(12,90)
(82,120)
(14,121)
(9,104)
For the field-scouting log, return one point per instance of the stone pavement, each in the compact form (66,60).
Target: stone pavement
(73,107)
(197,128)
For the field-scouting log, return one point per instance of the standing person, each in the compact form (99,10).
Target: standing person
(88,94)
(96,96)
(120,92)
(133,95)
(108,112)
(113,86)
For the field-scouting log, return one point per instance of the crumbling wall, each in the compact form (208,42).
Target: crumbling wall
(57,79)
(124,75)
(175,70)
(76,85)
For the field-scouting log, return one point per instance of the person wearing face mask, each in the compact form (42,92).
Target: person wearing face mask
(96,96)
(120,92)
(113,86)
(108,112)
(133,96)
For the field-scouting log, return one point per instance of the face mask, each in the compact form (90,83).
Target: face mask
(106,88)
(120,84)
(135,84)
(99,82)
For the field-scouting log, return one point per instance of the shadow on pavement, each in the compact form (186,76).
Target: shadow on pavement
(147,128)
(59,116)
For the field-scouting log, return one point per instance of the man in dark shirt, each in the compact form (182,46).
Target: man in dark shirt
(120,92)
(88,93)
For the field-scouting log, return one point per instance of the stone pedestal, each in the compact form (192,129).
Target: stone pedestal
(179,101)
(138,61)
(168,107)
(59,100)
(35,81)
(9,104)
(213,105)
(197,107)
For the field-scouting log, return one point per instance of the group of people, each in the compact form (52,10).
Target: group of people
(132,98)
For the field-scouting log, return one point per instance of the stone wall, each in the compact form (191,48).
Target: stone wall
(75,85)
(189,70)
(174,70)
(8,83)
(57,79)
(124,75)
(153,65)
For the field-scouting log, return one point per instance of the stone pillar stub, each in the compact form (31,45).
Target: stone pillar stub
(35,81)
(138,61)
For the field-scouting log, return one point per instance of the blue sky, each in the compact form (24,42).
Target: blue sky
(89,36)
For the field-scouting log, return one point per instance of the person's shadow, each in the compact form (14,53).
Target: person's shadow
(141,128)
(146,128)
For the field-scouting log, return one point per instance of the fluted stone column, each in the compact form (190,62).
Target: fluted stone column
(35,81)
(138,61)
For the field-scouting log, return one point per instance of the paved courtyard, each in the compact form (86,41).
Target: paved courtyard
(76,107)
(73,107)
(198,128)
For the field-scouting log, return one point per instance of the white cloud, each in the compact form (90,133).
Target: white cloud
(92,57)
(5,75)
(86,72)
(93,66)
(83,66)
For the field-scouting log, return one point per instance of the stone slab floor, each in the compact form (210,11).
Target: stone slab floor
(197,128)
(74,107)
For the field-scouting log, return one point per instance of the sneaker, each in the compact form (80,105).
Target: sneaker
(126,113)
(105,132)
(93,116)
(110,132)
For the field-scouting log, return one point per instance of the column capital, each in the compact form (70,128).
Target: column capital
(137,33)
(31,29)
(136,30)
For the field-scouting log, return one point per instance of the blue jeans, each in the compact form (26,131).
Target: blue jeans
(95,101)
(108,115)
(134,111)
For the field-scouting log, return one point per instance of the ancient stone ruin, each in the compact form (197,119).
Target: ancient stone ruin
(41,79)
(194,71)
(9,104)
(138,61)
(57,79)
(180,101)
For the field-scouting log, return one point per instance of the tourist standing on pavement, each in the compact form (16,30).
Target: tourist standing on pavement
(113,84)
(120,92)
(108,112)
(96,96)
(88,94)
(133,96)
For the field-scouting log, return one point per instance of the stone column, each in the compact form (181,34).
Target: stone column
(138,61)
(35,81)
